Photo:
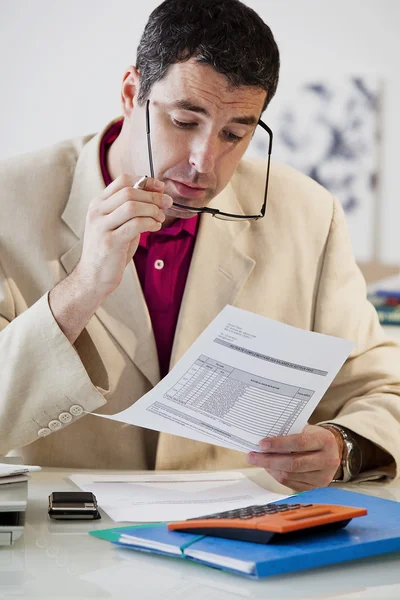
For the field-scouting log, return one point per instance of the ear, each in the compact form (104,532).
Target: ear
(129,90)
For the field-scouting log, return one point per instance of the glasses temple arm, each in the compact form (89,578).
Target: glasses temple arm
(150,153)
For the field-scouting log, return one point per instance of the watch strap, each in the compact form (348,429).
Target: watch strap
(349,444)
(341,447)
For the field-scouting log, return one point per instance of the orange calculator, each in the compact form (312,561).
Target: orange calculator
(270,522)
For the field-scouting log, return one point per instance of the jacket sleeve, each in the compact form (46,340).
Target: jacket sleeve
(365,395)
(41,374)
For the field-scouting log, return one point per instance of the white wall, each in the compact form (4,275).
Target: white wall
(62,64)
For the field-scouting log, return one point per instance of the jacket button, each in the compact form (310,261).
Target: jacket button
(44,431)
(54,425)
(65,417)
(76,410)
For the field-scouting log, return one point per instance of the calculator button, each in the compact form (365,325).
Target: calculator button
(255,510)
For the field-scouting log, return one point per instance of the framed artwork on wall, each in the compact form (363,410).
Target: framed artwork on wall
(329,128)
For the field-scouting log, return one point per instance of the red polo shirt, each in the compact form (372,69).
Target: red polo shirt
(162,262)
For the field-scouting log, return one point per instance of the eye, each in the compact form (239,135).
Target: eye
(231,137)
(184,124)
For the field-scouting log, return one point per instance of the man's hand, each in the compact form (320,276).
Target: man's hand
(114,223)
(301,461)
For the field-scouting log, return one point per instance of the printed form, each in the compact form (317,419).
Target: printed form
(246,377)
(153,497)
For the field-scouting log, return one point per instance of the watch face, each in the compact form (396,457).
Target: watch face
(354,459)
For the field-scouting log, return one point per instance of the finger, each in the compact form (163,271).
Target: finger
(303,481)
(125,180)
(131,229)
(295,463)
(132,210)
(149,184)
(298,442)
(128,194)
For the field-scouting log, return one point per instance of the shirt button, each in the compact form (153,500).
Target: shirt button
(159,264)
(44,431)
(76,410)
(65,417)
(54,425)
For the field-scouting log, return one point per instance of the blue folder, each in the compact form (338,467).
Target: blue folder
(376,533)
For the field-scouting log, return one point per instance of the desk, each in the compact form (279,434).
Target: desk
(60,560)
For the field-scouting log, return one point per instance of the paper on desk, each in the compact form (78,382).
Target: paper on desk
(173,496)
(245,377)
(166,477)
(8,469)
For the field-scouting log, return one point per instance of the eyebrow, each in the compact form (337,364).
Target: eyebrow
(187,105)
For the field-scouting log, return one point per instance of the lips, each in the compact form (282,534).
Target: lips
(194,187)
(188,191)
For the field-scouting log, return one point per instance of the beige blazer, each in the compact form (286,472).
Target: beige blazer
(295,266)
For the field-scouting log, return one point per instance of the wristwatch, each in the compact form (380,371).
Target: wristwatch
(351,460)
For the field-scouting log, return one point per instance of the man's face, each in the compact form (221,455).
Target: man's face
(200,129)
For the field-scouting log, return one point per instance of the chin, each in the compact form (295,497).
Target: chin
(180,213)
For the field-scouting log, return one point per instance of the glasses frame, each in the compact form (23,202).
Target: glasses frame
(215,212)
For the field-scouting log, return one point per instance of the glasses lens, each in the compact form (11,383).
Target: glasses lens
(258,146)
(257,149)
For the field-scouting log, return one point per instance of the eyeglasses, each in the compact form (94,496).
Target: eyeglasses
(218,214)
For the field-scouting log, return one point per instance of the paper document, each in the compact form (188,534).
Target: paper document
(10,473)
(246,377)
(172,496)
(7,469)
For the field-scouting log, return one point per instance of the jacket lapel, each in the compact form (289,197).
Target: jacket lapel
(218,272)
(124,313)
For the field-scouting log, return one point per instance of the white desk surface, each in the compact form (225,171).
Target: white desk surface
(60,560)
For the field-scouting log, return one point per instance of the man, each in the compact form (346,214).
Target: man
(84,326)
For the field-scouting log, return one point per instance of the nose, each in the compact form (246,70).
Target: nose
(203,155)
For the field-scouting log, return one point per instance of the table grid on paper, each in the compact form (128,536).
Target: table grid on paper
(249,402)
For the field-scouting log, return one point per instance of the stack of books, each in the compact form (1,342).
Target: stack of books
(385,296)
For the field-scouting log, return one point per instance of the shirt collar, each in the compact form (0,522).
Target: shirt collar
(177,229)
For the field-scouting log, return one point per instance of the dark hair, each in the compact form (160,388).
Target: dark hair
(226,34)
